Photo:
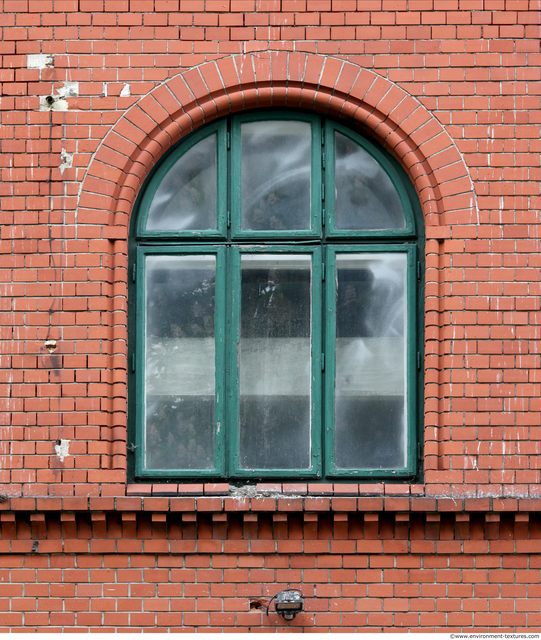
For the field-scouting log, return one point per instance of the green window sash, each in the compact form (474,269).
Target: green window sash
(274,389)
(370,384)
(190,182)
(276,196)
(179,361)
(365,194)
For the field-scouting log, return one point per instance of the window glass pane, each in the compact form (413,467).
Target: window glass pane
(275,180)
(365,196)
(179,362)
(186,197)
(370,419)
(275,362)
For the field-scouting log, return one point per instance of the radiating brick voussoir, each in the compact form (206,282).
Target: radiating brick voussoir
(378,90)
(227,71)
(431,138)
(261,67)
(331,72)
(445,159)
(181,91)
(455,187)
(132,183)
(354,110)
(385,129)
(393,141)
(314,66)
(404,109)
(102,187)
(108,155)
(323,99)
(264,98)
(345,81)
(279,66)
(245,72)
(152,108)
(167,100)
(362,85)
(296,65)
(308,97)
(198,88)
(279,96)
(294,94)
(391,100)
(127,128)
(90,200)
(110,174)
(212,79)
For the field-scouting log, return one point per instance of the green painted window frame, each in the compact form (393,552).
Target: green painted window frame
(228,243)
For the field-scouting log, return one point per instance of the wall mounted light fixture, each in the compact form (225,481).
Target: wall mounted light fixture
(288,603)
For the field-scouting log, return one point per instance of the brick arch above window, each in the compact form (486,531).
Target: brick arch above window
(343,90)
(398,121)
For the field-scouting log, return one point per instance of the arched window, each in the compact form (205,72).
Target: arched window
(274,306)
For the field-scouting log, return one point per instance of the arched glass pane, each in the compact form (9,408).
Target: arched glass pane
(186,197)
(365,196)
(275,175)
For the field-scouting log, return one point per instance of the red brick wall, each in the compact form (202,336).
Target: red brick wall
(451,88)
(471,67)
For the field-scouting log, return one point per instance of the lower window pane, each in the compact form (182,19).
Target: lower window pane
(180,362)
(275,432)
(370,385)
(179,432)
(275,361)
(369,432)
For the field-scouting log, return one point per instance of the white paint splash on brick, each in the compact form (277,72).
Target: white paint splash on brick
(59,104)
(62,449)
(67,161)
(69,90)
(39,61)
